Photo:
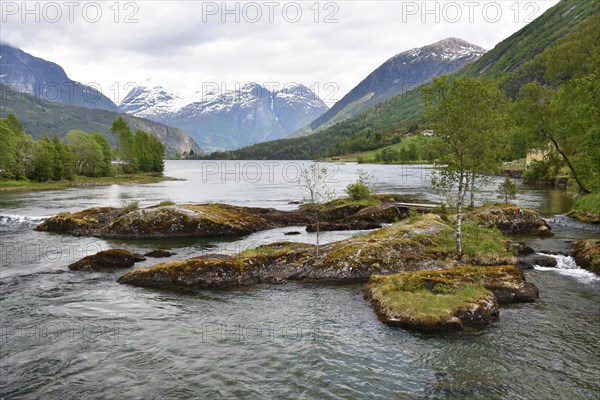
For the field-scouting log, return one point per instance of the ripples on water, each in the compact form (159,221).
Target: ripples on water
(81,335)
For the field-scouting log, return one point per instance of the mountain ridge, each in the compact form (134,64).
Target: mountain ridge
(230,119)
(36,76)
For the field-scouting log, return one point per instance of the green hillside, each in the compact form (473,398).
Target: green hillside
(41,116)
(513,62)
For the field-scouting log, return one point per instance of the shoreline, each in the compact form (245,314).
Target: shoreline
(131,179)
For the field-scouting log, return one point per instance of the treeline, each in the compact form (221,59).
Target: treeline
(82,154)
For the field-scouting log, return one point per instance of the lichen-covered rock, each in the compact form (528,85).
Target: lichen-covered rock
(587,254)
(510,219)
(107,260)
(457,298)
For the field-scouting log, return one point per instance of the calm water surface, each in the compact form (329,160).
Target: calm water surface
(68,335)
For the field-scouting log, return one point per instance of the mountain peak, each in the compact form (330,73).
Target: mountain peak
(399,74)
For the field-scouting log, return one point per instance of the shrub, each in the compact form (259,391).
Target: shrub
(363,187)
(358,191)
(166,203)
(131,206)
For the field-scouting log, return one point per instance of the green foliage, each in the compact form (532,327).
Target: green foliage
(358,191)
(469,117)
(106,166)
(166,203)
(539,169)
(88,155)
(507,190)
(44,161)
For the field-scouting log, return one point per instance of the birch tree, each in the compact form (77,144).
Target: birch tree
(468,116)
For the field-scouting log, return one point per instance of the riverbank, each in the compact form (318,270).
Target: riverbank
(587,209)
(79,181)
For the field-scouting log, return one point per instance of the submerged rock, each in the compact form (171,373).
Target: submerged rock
(587,254)
(159,254)
(107,259)
(542,260)
(521,248)
(510,219)
(452,299)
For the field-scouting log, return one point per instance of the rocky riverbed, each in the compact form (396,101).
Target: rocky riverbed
(416,248)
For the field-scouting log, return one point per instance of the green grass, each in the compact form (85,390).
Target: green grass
(428,306)
(588,204)
(480,245)
(25,185)
(369,156)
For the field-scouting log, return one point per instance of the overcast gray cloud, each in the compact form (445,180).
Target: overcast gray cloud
(183,44)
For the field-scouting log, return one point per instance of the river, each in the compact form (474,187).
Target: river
(67,335)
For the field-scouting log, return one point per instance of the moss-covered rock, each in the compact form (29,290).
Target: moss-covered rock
(587,254)
(411,245)
(587,209)
(187,221)
(586,217)
(458,298)
(510,219)
(81,223)
(201,220)
(107,260)
(271,263)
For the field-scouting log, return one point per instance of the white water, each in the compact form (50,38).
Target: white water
(21,219)
(567,266)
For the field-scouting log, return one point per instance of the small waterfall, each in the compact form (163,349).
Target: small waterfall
(566,265)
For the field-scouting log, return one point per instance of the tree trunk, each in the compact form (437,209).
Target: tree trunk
(582,188)
(472,183)
(459,204)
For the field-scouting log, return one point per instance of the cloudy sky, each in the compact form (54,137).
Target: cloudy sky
(329,46)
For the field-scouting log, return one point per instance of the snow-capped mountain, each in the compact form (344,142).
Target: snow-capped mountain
(148,102)
(232,119)
(400,73)
(25,73)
